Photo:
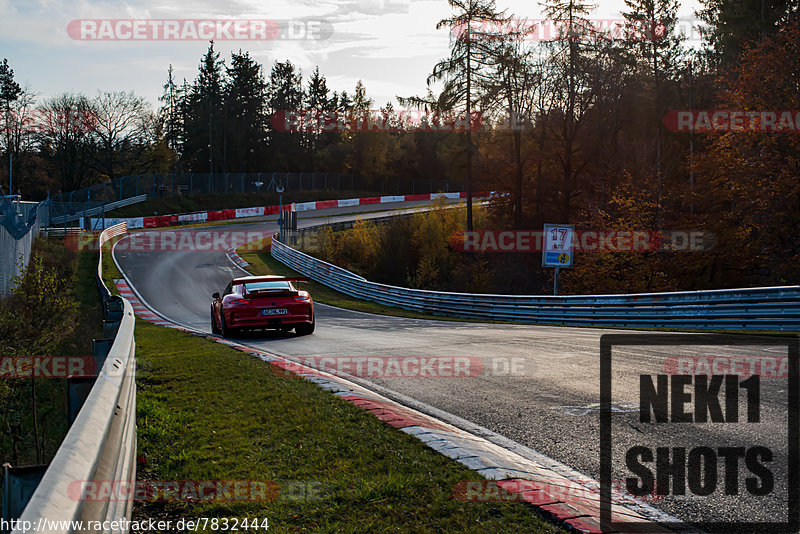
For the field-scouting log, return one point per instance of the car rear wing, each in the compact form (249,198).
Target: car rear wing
(251,279)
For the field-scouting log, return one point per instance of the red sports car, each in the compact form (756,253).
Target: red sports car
(256,302)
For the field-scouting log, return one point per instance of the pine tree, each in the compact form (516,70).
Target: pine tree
(655,48)
(170,115)
(205,117)
(9,92)
(317,97)
(317,101)
(570,54)
(285,93)
(246,118)
(360,100)
(731,24)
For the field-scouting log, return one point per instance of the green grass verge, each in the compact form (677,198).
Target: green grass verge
(110,271)
(90,311)
(208,412)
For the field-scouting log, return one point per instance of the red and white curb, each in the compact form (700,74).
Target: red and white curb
(235,258)
(141,311)
(551,487)
(174,219)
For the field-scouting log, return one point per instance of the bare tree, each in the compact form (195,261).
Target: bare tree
(65,137)
(120,131)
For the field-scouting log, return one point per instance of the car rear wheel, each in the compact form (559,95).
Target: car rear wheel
(225,330)
(214,328)
(306,329)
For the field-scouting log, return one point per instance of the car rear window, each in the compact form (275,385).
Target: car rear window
(259,286)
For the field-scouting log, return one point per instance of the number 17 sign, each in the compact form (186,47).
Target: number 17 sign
(557,250)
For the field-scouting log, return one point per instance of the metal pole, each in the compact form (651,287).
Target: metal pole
(88,190)
(555,283)
(10,172)
(691,138)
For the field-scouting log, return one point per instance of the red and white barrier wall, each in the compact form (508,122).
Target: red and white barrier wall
(221,215)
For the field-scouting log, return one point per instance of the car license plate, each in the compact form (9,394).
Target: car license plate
(274,311)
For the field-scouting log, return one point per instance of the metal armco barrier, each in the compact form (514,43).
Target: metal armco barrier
(90,211)
(112,305)
(100,446)
(765,308)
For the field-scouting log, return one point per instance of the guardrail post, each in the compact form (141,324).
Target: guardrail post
(19,483)
(110,328)
(78,389)
(100,349)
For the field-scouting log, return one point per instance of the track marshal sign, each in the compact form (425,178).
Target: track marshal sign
(557,250)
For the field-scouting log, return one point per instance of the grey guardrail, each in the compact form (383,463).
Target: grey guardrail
(102,239)
(96,210)
(764,308)
(100,447)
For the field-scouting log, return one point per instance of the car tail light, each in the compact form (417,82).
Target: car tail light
(302,296)
(240,301)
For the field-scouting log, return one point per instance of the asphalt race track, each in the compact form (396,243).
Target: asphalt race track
(537,385)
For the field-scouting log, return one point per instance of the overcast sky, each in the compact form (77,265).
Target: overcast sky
(391,45)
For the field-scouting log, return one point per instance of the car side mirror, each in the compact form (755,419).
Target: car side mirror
(215,295)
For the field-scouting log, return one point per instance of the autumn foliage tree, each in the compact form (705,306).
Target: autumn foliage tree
(751,179)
